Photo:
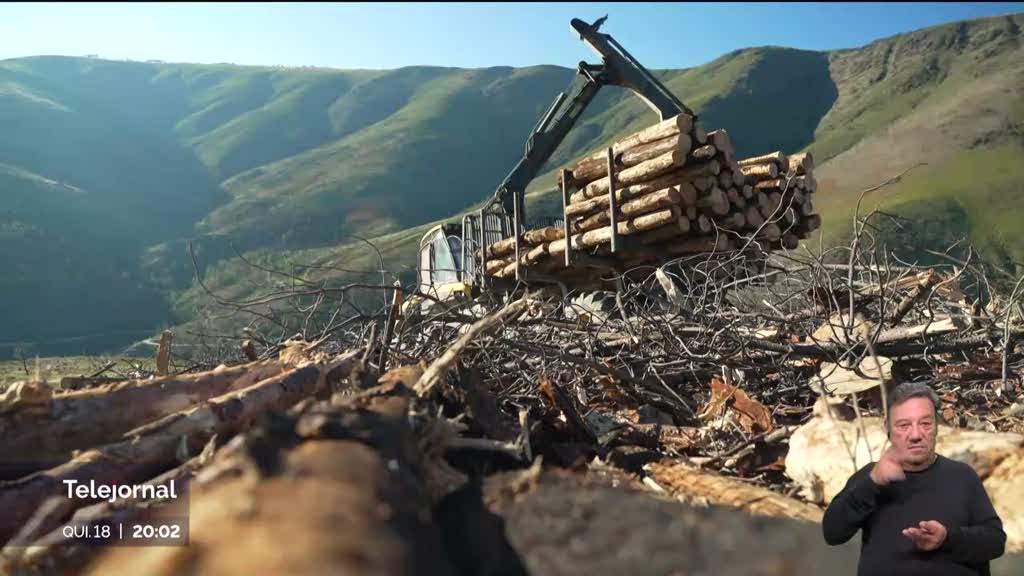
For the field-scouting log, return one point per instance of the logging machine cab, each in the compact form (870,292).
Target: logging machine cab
(452,262)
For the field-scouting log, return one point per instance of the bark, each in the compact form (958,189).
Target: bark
(531,238)
(801,163)
(150,449)
(770,232)
(596,166)
(641,223)
(638,206)
(790,241)
(690,483)
(705,183)
(807,183)
(753,217)
(643,172)
(349,499)
(720,139)
(582,204)
(47,432)
(704,153)
(734,221)
(714,202)
(777,158)
(758,172)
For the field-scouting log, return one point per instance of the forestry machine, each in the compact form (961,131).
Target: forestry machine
(451,256)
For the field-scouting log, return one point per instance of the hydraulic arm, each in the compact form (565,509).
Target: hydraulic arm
(617,68)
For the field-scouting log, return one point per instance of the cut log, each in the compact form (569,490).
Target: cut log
(801,163)
(753,217)
(704,183)
(714,203)
(562,524)
(537,254)
(692,484)
(720,139)
(643,205)
(704,225)
(725,179)
(811,223)
(735,198)
(790,241)
(733,221)
(777,158)
(350,500)
(686,193)
(807,183)
(150,449)
(789,217)
(738,179)
(596,166)
(530,239)
(748,191)
(770,232)
(624,193)
(771,184)
(651,221)
(704,153)
(680,124)
(640,173)
(494,266)
(807,208)
(758,172)
(699,135)
(697,245)
(48,431)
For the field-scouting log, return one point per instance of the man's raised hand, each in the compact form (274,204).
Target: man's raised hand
(888,468)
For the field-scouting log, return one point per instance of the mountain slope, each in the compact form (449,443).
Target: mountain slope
(116,165)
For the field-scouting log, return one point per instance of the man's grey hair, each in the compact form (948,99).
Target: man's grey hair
(909,390)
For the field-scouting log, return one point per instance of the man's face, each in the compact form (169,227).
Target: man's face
(913,431)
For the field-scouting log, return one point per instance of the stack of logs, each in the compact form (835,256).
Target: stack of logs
(678,191)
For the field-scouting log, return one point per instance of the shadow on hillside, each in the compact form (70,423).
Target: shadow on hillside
(778,105)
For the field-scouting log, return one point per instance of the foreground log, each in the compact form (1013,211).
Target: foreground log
(560,523)
(153,448)
(47,431)
(347,500)
(694,485)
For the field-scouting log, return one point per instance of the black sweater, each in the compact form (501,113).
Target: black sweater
(948,491)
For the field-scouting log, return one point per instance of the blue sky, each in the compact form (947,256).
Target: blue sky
(661,35)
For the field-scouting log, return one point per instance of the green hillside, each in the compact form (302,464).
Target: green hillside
(109,168)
